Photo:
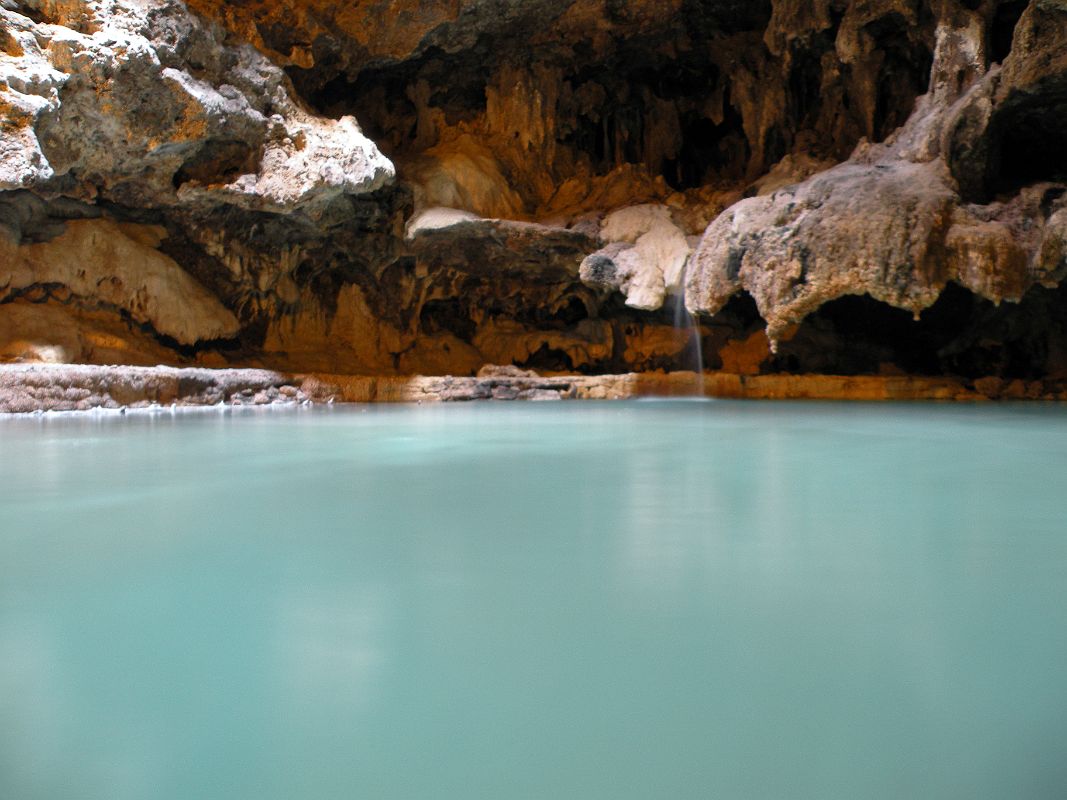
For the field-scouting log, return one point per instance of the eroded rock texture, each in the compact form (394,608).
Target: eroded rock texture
(413,186)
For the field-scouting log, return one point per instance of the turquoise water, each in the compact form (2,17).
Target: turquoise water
(643,600)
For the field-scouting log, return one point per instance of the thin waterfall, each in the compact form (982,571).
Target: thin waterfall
(693,352)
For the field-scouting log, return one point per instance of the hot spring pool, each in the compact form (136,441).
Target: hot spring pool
(636,600)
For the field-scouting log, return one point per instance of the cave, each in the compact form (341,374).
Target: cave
(547,358)
(384,96)
(1002,29)
(221,161)
(805,81)
(448,315)
(961,334)
(1030,142)
(610,132)
(663,101)
(904,73)
(540,184)
(781,287)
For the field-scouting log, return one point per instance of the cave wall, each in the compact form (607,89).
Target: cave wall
(428,186)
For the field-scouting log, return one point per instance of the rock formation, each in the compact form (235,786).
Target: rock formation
(400,187)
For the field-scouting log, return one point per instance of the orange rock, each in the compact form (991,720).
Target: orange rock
(744,357)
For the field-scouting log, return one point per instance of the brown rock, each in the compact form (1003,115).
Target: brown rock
(169,194)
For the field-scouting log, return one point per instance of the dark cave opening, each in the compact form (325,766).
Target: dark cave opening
(333,98)
(740,314)
(1030,142)
(855,335)
(639,103)
(708,151)
(1025,143)
(548,359)
(448,315)
(219,161)
(1002,29)
(383,98)
(571,312)
(638,107)
(805,82)
(962,334)
(536,314)
(665,100)
(904,74)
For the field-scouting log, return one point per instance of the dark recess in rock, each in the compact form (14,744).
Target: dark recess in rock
(447,315)
(30,219)
(904,74)
(220,161)
(611,97)
(961,334)
(1002,29)
(1031,142)
(548,359)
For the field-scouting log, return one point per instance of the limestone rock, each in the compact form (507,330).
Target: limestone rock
(101,264)
(505,371)
(501,247)
(893,222)
(645,258)
(437,217)
(875,229)
(142,103)
(214,183)
(66,334)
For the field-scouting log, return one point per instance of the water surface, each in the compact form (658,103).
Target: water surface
(634,600)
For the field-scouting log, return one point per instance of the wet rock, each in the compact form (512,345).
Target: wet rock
(33,388)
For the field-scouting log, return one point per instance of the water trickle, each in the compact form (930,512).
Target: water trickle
(692,355)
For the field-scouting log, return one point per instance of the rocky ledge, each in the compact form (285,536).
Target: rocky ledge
(392,188)
(39,388)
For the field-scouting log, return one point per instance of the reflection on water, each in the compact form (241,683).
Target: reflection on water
(620,600)
(331,649)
